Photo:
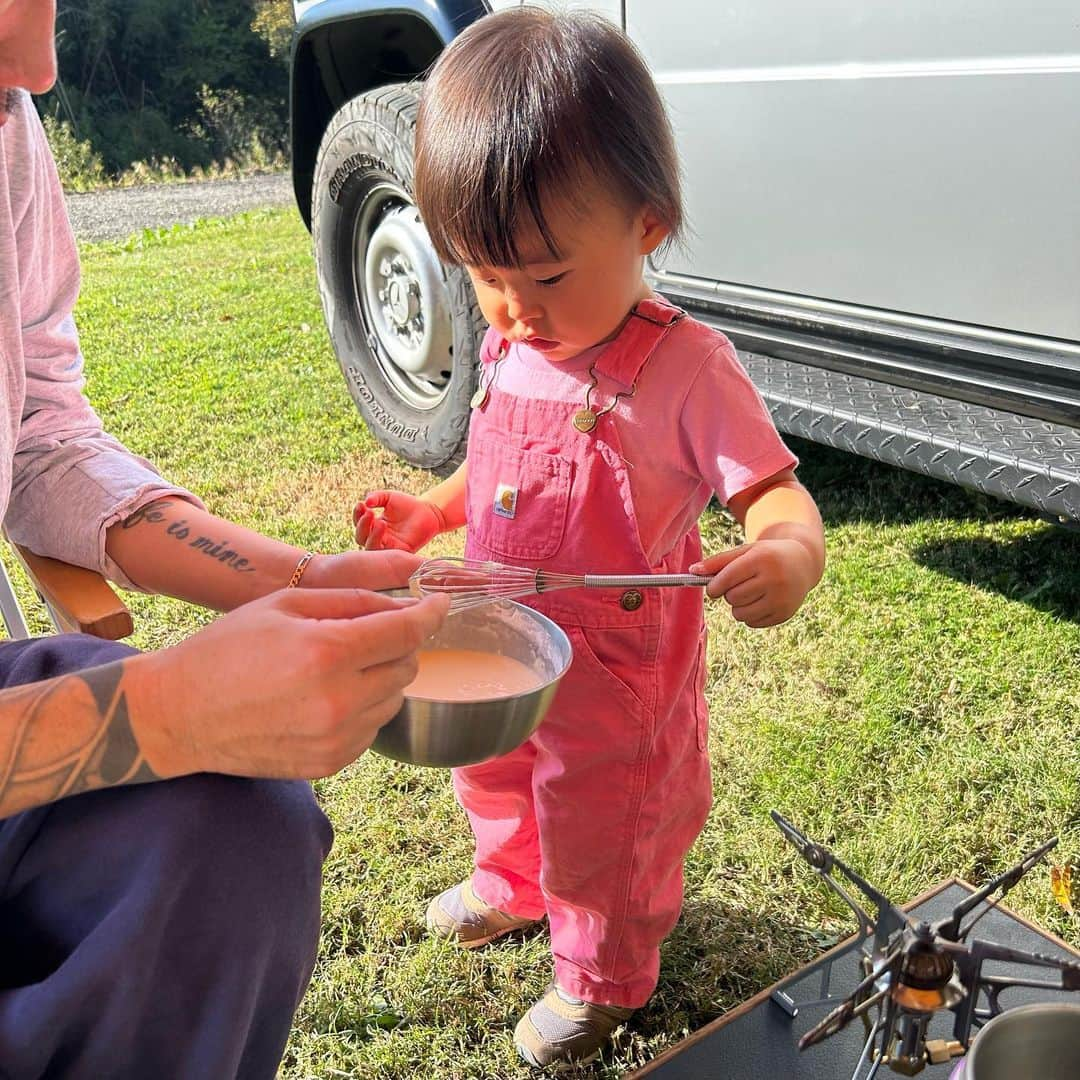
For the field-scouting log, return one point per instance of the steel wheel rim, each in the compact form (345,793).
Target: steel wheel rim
(402,298)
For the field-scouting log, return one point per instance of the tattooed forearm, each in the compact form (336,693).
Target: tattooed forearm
(153,511)
(222,553)
(156,513)
(67,736)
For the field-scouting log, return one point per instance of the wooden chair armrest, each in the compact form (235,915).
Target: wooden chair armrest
(81,600)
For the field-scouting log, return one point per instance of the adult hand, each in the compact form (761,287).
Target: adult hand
(296,684)
(393,519)
(764,581)
(360,570)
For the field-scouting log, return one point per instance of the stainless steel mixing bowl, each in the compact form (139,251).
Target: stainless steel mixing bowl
(448,733)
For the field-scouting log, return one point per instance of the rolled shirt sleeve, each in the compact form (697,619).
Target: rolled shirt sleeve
(70,480)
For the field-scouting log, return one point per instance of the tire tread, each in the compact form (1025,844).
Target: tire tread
(392,109)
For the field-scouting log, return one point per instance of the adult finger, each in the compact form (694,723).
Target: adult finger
(371,719)
(388,635)
(344,604)
(360,728)
(367,685)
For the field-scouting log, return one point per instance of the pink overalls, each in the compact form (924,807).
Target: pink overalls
(589,820)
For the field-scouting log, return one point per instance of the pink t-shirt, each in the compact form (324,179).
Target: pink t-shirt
(63,480)
(695,425)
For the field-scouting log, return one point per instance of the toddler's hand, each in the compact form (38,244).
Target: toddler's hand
(392,519)
(764,581)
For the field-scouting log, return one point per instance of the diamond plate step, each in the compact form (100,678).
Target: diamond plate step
(1032,462)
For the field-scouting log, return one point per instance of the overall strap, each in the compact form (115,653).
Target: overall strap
(493,347)
(649,323)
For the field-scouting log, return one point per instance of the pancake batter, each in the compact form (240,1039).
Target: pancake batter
(469,675)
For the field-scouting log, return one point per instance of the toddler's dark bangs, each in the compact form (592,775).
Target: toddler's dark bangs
(524,111)
(490,192)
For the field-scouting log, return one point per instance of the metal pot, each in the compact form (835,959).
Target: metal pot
(1031,1041)
(449,733)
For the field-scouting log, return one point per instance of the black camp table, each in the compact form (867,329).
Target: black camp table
(758,1040)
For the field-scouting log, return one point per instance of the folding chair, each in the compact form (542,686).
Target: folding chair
(77,600)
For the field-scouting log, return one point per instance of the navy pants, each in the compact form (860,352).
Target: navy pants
(161,931)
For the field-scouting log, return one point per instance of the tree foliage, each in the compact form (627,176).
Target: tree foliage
(274,23)
(198,81)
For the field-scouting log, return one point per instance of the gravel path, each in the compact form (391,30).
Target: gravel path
(116,213)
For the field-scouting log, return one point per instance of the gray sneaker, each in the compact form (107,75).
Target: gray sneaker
(460,915)
(561,1030)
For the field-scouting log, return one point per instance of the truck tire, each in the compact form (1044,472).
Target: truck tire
(406,329)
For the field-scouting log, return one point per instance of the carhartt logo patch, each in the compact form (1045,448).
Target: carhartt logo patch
(505,504)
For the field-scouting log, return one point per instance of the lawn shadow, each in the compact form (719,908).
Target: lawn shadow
(716,958)
(1040,569)
(850,489)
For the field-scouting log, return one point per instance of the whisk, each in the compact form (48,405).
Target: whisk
(471,582)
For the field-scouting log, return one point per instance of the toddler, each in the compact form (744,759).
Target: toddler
(604,421)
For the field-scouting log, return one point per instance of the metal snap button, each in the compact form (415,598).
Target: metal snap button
(631,600)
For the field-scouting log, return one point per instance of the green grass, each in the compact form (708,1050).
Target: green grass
(920,713)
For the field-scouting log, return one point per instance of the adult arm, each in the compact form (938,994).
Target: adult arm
(170,546)
(77,494)
(70,481)
(293,685)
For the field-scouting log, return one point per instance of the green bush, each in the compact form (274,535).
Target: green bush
(229,134)
(240,128)
(80,167)
(161,85)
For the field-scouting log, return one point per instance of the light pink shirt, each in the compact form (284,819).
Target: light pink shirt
(63,481)
(695,425)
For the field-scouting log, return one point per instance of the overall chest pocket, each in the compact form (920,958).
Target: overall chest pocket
(518,499)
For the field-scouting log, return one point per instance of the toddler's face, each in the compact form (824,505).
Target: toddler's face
(566,306)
